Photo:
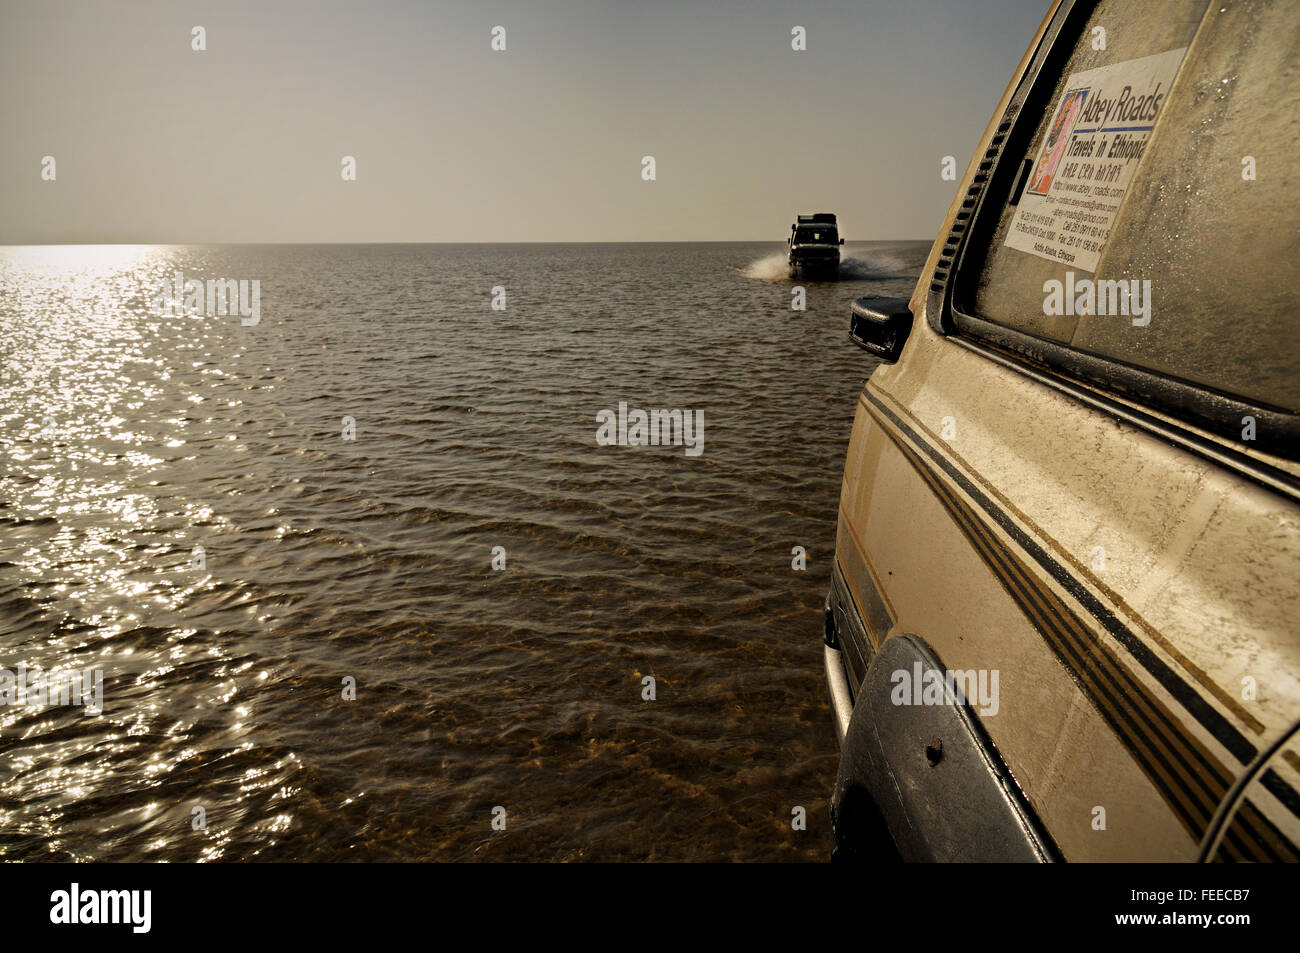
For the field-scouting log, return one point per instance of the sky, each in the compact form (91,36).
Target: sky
(155,142)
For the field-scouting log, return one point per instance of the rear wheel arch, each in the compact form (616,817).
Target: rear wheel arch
(928,774)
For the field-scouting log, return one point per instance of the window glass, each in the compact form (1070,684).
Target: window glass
(821,235)
(1141,169)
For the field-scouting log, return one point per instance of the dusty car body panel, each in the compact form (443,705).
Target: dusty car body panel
(1137,596)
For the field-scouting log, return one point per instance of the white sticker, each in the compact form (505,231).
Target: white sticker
(1102,125)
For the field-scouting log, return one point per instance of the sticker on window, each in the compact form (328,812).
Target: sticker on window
(1099,131)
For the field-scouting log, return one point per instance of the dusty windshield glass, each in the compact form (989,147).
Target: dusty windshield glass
(815,236)
(1162,173)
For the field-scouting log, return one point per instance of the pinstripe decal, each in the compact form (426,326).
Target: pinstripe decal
(1189,777)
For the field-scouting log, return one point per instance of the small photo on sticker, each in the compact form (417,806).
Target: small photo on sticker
(1054,148)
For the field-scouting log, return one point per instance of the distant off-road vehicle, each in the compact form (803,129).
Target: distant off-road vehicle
(1064,614)
(814,246)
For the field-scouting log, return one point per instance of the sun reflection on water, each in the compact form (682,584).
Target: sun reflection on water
(98,434)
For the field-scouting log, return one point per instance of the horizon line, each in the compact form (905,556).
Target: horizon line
(731,241)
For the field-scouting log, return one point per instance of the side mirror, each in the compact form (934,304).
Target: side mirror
(841,241)
(880,326)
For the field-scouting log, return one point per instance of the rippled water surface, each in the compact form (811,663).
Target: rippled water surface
(130,438)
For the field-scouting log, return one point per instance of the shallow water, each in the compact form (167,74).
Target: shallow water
(130,438)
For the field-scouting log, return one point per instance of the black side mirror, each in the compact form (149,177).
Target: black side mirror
(841,241)
(880,326)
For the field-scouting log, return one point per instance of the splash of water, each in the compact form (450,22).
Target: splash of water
(873,267)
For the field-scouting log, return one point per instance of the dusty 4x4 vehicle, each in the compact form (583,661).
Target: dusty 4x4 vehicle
(813,248)
(1064,618)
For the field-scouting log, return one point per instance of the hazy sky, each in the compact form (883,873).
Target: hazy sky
(154,142)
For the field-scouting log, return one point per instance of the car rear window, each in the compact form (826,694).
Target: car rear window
(1167,157)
